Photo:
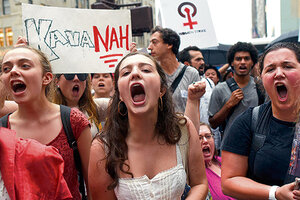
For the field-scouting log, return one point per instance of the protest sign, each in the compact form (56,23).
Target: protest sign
(78,40)
(190,19)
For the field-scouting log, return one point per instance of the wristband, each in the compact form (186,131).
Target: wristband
(272,192)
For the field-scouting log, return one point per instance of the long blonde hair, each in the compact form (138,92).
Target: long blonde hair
(85,104)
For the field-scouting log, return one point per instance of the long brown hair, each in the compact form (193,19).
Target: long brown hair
(116,128)
(86,102)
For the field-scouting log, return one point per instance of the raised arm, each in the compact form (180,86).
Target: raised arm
(195,92)
(197,175)
(223,69)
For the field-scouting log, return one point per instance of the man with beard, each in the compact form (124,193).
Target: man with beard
(229,99)
(192,56)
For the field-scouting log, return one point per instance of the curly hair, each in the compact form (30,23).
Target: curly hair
(85,103)
(169,37)
(242,46)
(115,130)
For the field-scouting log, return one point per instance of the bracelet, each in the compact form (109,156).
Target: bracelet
(272,192)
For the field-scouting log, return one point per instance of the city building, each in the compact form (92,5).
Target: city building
(260,21)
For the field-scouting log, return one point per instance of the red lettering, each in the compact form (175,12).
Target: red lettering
(113,38)
(124,37)
(97,34)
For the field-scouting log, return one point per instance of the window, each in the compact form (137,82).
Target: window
(6,7)
(1,37)
(9,36)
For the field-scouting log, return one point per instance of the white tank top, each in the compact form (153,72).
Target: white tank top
(166,185)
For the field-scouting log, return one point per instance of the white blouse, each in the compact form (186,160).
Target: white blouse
(166,185)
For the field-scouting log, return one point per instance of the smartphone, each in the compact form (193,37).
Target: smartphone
(297,183)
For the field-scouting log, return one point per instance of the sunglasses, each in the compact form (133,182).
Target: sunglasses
(81,77)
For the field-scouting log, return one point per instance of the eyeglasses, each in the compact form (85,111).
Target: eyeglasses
(81,77)
(207,137)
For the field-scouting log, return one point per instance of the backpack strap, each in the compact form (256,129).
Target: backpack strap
(4,120)
(232,84)
(259,123)
(65,118)
(260,94)
(209,82)
(177,79)
(184,149)
(254,118)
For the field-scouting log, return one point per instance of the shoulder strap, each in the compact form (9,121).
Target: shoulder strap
(254,118)
(209,83)
(178,79)
(232,84)
(260,94)
(65,112)
(4,120)
(260,121)
(184,148)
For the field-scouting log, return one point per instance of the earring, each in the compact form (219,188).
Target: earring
(119,109)
(161,105)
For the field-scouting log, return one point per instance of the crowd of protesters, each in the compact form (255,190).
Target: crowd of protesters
(163,126)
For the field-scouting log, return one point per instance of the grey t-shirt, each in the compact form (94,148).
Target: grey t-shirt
(181,93)
(221,95)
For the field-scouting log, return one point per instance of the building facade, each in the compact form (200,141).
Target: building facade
(285,19)
(11,17)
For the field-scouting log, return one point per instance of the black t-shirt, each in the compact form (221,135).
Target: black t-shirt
(272,159)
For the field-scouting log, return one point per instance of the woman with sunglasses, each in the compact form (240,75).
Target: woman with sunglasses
(212,162)
(74,90)
(27,75)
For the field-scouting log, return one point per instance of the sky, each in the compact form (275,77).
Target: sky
(232,19)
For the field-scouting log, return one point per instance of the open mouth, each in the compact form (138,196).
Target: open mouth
(75,89)
(18,87)
(282,91)
(243,68)
(101,85)
(206,151)
(137,92)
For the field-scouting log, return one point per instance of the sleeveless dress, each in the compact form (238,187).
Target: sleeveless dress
(166,185)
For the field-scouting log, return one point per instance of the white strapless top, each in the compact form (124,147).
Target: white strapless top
(166,185)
